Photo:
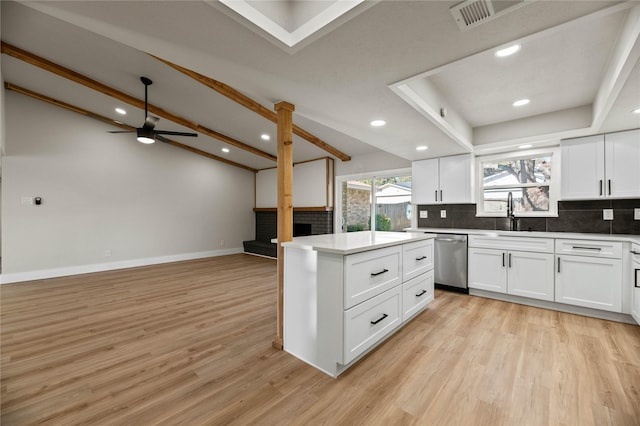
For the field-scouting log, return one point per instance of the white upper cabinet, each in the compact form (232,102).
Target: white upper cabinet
(442,180)
(601,166)
(622,164)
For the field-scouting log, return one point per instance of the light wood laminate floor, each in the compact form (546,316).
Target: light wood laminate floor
(189,343)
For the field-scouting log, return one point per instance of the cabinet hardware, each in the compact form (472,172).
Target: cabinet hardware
(436,195)
(609,183)
(421,258)
(558,265)
(441,199)
(509,260)
(637,278)
(375,274)
(587,248)
(635,252)
(421,293)
(600,186)
(503,259)
(379,319)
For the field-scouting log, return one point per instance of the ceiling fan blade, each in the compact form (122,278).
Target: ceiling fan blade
(150,122)
(121,131)
(162,138)
(166,132)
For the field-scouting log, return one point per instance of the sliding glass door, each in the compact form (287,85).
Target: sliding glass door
(376,201)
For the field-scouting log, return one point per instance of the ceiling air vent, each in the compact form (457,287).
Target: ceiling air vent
(471,13)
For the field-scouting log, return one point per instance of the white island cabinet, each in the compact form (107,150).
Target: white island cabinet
(345,293)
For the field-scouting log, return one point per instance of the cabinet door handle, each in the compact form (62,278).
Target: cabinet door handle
(609,183)
(509,260)
(375,274)
(379,319)
(635,252)
(558,265)
(600,187)
(586,248)
(423,292)
(503,259)
(421,258)
(436,195)
(636,283)
(441,199)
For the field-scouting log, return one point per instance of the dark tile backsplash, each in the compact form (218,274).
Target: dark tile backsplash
(573,216)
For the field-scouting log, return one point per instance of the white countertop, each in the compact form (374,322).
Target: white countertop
(355,242)
(535,234)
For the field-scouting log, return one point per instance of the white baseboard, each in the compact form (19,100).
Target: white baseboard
(101,267)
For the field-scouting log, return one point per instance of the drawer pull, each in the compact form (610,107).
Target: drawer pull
(586,248)
(422,293)
(379,319)
(375,274)
(421,258)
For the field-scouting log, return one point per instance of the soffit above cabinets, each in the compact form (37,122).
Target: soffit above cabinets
(563,71)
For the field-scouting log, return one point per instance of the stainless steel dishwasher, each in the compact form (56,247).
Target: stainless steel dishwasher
(451,262)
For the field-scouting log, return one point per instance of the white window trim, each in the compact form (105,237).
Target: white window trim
(554,187)
(337,210)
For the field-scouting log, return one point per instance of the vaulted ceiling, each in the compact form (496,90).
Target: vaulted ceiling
(401,61)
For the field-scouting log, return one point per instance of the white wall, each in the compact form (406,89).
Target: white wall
(144,203)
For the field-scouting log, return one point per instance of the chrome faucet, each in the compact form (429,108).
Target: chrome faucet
(513,221)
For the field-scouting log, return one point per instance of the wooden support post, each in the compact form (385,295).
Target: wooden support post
(285,203)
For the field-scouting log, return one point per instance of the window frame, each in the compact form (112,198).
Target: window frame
(554,182)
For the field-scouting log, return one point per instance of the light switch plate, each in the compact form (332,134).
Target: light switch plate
(443,214)
(424,214)
(636,214)
(607,214)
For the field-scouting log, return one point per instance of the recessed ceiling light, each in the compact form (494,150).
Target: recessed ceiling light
(521,102)
(422,148)
(265,137)
(525,146)
(507,51)
(636,111)
(225,150)
(121,111)
(378,123)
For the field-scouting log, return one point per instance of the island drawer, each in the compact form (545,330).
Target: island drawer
(542,245)
(609,249)
(370,321)
(370,273)
(416,294)
(417,258)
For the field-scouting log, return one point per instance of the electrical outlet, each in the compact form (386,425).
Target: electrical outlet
(221,243)
(107,253)
(636,214)
(443,214)
(424,214)
(607,214)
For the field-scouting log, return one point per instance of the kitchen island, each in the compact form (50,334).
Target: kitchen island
(345,293)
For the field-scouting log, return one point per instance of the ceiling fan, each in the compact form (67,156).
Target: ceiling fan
(147,133)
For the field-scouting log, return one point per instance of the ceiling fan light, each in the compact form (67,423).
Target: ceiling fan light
(145,140)
(145,136)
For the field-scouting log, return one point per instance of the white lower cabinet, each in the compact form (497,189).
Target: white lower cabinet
(369,321)
(591,282)
(487,269)
(338,307)
(589,274)
(417,293)
(520,273)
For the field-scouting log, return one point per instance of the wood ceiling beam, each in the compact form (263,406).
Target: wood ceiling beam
(109,121)
(83,80)
(254,106)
